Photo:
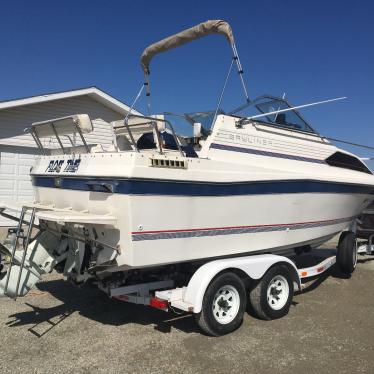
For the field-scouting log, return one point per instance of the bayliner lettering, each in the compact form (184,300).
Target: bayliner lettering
(244,139)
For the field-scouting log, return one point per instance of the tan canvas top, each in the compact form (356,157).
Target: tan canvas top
(186,36)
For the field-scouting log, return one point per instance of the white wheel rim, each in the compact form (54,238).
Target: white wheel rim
(278,292)
(355,254)
(226,304)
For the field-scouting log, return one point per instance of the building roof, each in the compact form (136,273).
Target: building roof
(93,92)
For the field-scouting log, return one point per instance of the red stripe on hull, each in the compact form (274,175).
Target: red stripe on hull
(242,227)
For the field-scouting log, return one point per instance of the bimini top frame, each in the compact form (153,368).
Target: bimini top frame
(58,127)
(203,29)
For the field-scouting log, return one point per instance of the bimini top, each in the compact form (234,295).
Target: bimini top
(186,36)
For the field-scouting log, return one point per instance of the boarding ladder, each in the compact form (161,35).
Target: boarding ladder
(26,238)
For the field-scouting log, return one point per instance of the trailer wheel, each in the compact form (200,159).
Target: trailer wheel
(223,305)
(272,296)
(346,256)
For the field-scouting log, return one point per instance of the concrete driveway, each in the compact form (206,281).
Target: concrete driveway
(59,328)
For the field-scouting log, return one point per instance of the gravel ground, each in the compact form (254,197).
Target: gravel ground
(62,329)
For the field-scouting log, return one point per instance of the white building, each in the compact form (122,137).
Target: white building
(18,150)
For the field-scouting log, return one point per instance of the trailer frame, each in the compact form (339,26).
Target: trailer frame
(162,295)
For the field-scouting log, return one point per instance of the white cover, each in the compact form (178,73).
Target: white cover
(63,126)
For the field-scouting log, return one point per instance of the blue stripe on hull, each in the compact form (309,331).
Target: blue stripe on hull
(252,151)
(190,188)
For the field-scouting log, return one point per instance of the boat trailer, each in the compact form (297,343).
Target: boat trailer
(366,248)
(161,296)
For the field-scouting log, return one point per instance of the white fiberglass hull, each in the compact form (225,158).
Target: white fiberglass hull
(155,229)
(248,190)
(225,226)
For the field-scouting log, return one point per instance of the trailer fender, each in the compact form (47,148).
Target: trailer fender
(254,266)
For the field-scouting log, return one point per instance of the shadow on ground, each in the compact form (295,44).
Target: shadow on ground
(364,259)
(94,304)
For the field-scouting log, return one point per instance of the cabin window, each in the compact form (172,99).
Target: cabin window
(342,160)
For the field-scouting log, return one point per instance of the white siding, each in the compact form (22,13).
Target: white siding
(13,121)
(18,150)
(15,181)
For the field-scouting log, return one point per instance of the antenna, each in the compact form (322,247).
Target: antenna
(295,107)
(276,114)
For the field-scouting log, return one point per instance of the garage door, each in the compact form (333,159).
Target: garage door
(15,182)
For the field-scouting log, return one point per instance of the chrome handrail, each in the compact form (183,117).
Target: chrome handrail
(152,121)
(32,130)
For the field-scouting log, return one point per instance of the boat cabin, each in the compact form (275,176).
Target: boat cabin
(166,133)
(139,133)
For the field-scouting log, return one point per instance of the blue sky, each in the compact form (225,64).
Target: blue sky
(312,50)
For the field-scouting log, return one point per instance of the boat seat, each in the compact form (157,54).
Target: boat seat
(147,141)
(281,119)
(189,151)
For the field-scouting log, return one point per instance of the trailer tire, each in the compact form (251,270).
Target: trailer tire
(346,256)
(272,295)
(223,305)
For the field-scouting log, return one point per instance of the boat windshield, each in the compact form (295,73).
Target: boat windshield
(291,119)
(183,123)
(268,104)
(205,118)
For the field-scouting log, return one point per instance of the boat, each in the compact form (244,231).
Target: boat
(161,203)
